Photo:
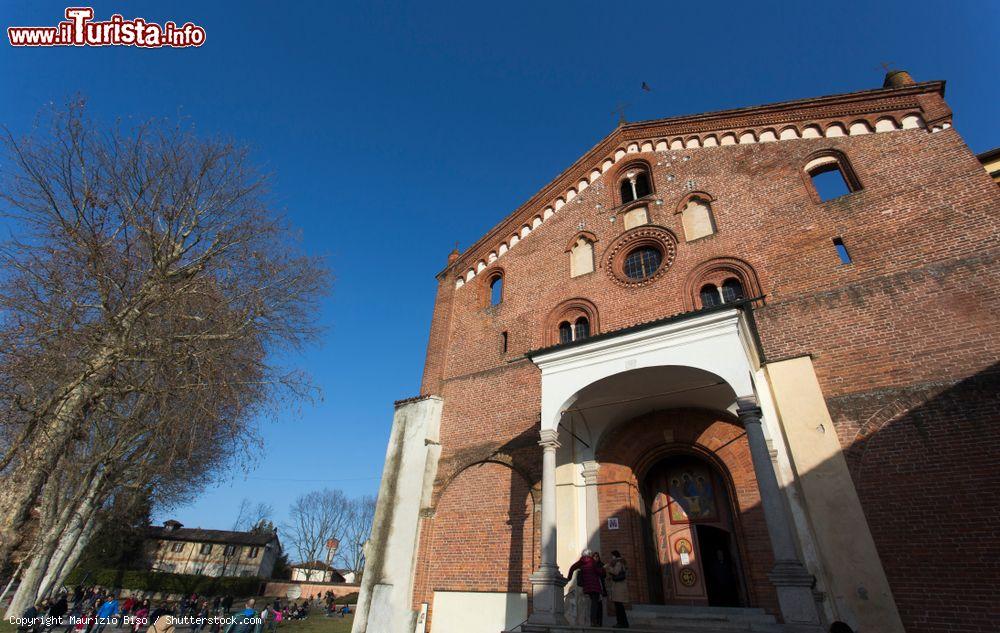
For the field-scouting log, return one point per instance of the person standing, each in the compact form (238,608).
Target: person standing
(107,611)
(618,574)
(56,611)
(590,581)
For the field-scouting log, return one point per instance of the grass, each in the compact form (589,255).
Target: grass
(317,624)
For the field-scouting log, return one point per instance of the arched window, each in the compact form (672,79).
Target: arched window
(710,296)
(496,290)
(635,184)
(565,332)
(492,287)
(830,176)
(720,281)
(571,320)
(732,290)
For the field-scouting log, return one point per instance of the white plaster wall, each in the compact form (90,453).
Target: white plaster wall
(567,526)
(636,217)
(697,220)
(477,612)
(856,580)
(711,342)
(384,603)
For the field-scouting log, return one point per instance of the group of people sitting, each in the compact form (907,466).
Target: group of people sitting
(95,608)
(332,608)
(600,581)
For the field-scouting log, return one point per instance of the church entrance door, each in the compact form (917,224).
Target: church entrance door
(693,533)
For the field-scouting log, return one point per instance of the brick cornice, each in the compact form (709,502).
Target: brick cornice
(814,109)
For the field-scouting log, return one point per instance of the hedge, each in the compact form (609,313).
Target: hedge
(163,582)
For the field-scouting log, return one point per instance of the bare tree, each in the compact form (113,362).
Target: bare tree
(313,519)
(149,274)
(251,515)
(357,529)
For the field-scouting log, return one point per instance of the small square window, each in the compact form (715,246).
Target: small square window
(206,548)
(177,547)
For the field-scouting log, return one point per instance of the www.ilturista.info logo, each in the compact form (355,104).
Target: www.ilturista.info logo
(79,29)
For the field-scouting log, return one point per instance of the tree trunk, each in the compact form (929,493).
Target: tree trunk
(10,583)
(31,471)
(59,575)
(67,545)
(48,541)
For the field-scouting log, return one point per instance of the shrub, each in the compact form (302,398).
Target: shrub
(155,581)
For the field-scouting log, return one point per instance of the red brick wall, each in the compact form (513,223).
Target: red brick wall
(916,311)
(481,537)
(279,588)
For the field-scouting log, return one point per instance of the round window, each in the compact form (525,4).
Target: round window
(640,256)
(642,262)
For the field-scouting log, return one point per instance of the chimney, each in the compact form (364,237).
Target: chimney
(897,79)
(172,525)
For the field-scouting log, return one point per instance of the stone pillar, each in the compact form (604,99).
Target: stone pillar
(790,578)
(593,517)
(547,583)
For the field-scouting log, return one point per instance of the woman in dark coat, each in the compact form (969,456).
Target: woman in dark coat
(590,581)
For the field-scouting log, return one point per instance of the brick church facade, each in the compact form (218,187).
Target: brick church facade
(755,351)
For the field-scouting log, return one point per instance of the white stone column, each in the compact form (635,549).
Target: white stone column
(547,583)
(593,517)
(792,581)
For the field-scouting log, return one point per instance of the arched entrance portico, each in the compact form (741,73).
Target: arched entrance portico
(590,390)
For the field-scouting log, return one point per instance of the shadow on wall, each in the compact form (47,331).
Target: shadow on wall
(483,533)
(927,470)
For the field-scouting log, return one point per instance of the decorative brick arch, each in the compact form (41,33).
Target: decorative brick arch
(502,459)
(700,195)
(824,158)
(485,514)
(619,171)
(570,310)
(652,235)
(858,446)
(587,235)
(715,271)
(485,287)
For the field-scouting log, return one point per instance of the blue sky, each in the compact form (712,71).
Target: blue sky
(394,131)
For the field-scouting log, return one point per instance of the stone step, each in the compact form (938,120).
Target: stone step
(665,616)
(702,627)
(684,609)
(681,619)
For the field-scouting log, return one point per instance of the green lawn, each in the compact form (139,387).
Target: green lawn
(317,624)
